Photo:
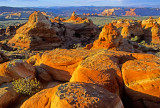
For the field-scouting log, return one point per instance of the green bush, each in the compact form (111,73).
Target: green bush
(26,86)
(143,43)
(135,39)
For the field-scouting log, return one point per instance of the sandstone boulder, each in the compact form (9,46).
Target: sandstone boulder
(141,78)
(41,99)
(16,69)
(102,69)
(7,95)
(61,63)
(82,95)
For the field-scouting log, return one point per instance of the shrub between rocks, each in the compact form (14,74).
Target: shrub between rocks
(26,86)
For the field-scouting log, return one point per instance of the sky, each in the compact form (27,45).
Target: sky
(49,3)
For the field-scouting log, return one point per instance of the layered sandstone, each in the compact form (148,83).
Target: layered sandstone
(151,30)
(131,12)
(155,33)
(16,69)
(79,30)
(57,19)
(37,33)
(108,12)
(129,28)
(141,78)
(109,38)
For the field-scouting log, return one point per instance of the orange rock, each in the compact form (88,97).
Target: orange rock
(61,63)
(109,38)
(155,34)
(41,99)
(36,34)
(131,12)
(33,60)
(57,20)
(132,30)
(109,12)
(82,95)
(100,69)
(7,95)
(141,78)
(16,69)
(139,56)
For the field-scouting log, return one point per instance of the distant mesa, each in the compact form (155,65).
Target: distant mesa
(131,12)
(119,12)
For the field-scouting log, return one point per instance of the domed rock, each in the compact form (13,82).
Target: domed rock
(84,95)
(141,78)
(37,33)
(16,69)
(41,99)
(7,95)
(101,69)
(61,63)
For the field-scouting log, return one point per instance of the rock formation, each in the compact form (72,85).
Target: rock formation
(108,12)
(40,33)
(16,69)
(81,95)
(109,38)
(151,30)
(79,30)
(11,30)
(37,33)
(57,20)
(155,33)
(129,28)
(131,12)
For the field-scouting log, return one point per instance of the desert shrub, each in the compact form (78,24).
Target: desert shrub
(26,86)
(158,54)
(135,39)
(77,46)
(143,43)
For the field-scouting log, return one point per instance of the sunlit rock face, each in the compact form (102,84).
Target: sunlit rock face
(155,34)
(129,28)
(109,38)
(151,30)
(37,33)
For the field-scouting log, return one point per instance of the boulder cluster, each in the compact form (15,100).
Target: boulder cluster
(111,72)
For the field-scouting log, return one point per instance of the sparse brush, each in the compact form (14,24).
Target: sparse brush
(26,86)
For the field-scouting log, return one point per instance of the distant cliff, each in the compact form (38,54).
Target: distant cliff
(89,10)
(131,12)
